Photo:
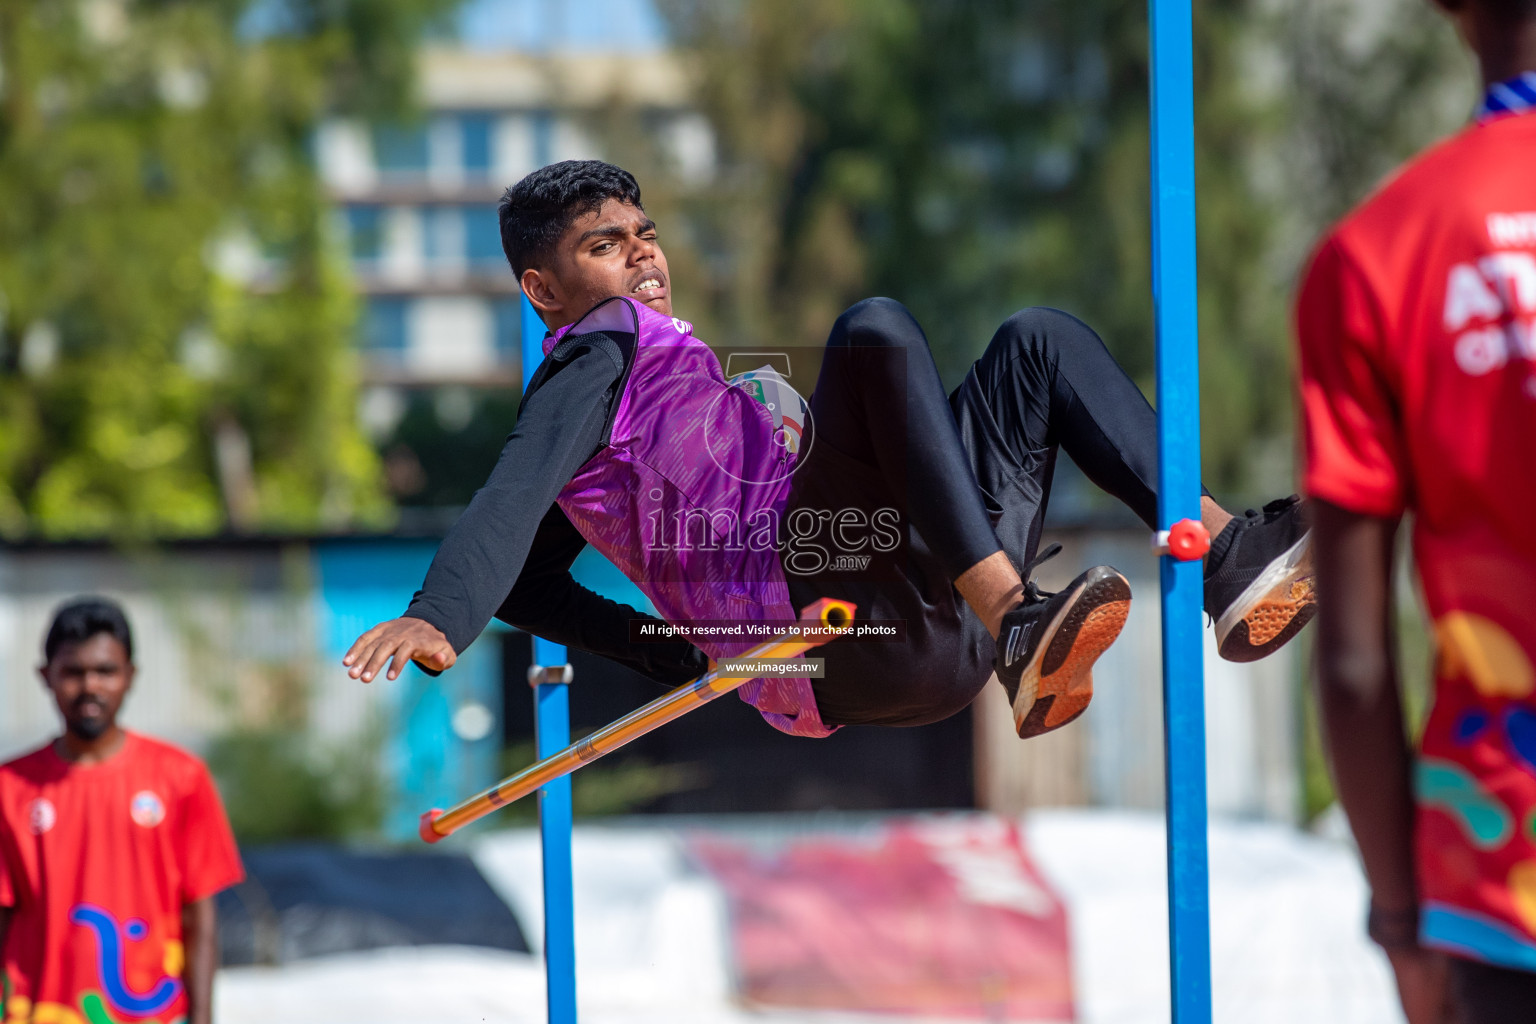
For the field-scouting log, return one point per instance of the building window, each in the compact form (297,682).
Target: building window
(483,229)
(401,151)
(543,124)
(508,313)
(384,329)
(365,233)
(444,237)
(513,147)
(452,337)
(475,130)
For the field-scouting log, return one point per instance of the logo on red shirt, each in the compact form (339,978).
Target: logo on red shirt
(1497,293)
(146,809)
(111,964)
(41,816)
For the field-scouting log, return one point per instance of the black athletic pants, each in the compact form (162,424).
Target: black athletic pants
(968,474)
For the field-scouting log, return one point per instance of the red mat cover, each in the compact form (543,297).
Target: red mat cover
(943,916)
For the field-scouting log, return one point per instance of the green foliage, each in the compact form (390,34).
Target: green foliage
(280,776)
(282,785)
(251,649)
(175,325)
(972,158)
(1370,87)
(446,444)
(608,787)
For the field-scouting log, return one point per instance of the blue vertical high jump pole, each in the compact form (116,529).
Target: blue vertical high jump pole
(1178,497)
(550,677)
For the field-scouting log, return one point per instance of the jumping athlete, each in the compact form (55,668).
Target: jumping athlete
(1417,328)
(721,498)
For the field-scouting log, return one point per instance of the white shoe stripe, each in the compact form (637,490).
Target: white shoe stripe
(1298,556)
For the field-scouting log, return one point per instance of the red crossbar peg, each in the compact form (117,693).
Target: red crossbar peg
(1187,540)
(424,826)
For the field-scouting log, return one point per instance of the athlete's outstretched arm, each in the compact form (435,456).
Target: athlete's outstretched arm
(558,428)
(546,601)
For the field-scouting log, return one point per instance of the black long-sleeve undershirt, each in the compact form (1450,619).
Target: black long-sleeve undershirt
(546,601)
(510,552)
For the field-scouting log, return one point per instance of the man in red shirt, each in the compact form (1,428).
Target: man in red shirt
(112,846)
(1417,328)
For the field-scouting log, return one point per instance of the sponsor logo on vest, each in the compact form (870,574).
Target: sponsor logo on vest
(789,416)
(146,810)
(41,816)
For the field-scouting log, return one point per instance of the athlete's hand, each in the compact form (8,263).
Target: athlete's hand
(404,640)
(1424,985)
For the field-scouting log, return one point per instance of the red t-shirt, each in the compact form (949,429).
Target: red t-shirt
(1417,325)
(97,862)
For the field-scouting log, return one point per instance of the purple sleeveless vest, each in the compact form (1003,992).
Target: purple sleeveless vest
(686,496)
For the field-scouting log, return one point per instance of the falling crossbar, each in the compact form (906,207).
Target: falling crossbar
(820,622)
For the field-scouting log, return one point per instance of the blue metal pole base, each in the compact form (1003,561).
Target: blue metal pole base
(553,733)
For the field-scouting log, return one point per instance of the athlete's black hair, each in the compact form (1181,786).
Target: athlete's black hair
(535,212)
(82,618)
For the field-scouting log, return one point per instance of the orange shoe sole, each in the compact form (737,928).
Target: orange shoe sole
(1266,619)
(1057,684)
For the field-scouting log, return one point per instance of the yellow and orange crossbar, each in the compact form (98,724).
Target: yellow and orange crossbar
(820,622)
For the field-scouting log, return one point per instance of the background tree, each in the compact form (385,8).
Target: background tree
(175,326)
(970,158)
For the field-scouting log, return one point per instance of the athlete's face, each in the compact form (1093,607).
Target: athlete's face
(610,251)
(88,681)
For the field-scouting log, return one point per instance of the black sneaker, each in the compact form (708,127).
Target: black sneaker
(1047,645)
(1258,580)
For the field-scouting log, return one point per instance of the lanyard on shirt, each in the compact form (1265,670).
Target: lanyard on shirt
(1512,96)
